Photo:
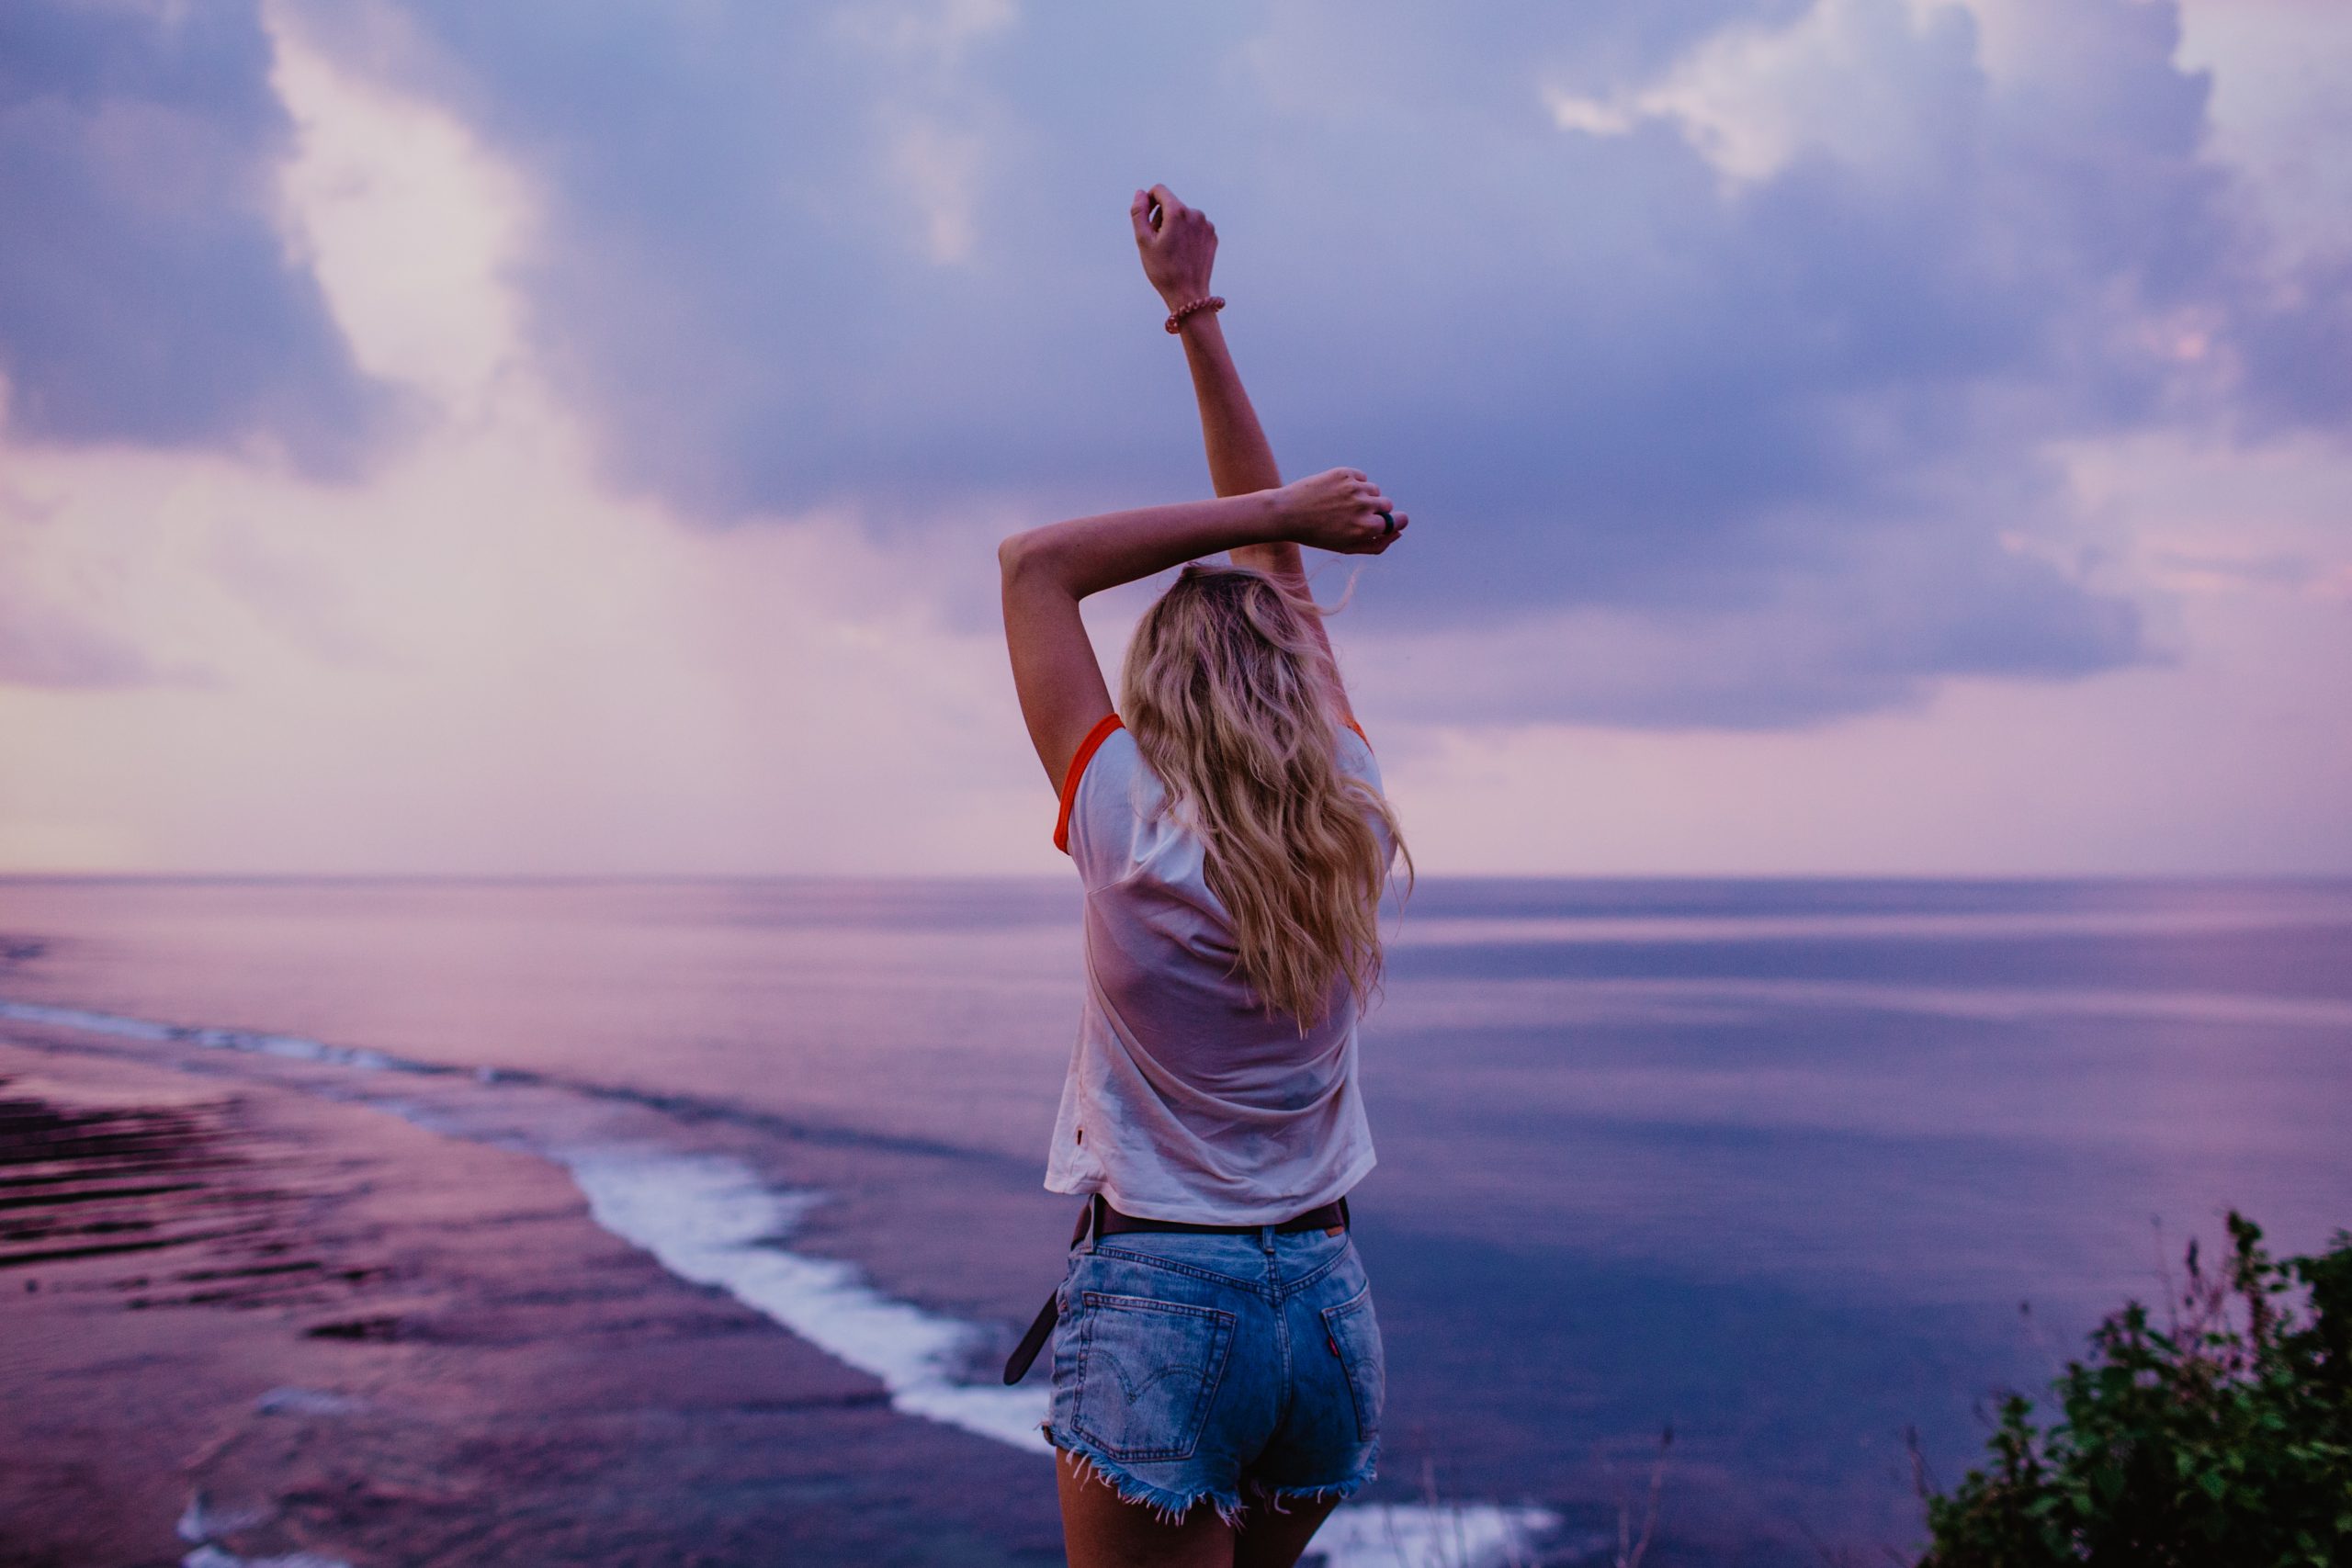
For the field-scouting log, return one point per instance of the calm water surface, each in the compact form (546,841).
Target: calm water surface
(1774,1161)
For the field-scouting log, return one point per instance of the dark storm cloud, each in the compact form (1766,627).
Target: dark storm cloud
(145,295)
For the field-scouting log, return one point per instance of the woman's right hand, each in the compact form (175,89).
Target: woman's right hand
(1340,510)
(1177,244)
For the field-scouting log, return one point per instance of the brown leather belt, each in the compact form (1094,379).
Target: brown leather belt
(1100,1219)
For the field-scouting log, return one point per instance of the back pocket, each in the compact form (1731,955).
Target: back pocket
(1355,1336)
(1147,1372)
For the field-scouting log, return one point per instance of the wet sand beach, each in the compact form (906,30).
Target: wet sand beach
(243,1323)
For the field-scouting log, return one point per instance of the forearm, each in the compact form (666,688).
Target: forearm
(1087,555)
(1241,458)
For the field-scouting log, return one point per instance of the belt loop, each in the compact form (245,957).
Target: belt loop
(1266,1239)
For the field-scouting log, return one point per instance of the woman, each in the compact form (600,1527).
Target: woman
(1216,1344)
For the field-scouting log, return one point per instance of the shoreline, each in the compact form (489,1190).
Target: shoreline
(256,1323)
(394,1256)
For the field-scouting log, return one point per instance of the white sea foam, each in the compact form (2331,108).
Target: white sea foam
(708,1219)
(309,1402)
(294,1047)
(221,1557)
(199,1522)
(1407,1535)
(711,1220)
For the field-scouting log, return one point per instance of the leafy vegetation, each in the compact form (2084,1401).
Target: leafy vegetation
(2223,1440)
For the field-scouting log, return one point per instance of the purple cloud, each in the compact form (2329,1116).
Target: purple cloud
(145,295)
(876,257)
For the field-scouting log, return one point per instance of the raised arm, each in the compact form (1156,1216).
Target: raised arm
(1177,244)
(1047,570)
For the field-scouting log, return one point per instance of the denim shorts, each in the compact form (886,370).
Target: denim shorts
(1189,1365)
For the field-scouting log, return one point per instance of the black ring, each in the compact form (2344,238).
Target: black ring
(1390,521)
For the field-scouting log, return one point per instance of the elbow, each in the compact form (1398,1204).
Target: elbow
(1040,561)
(1012,553)
(1022,556)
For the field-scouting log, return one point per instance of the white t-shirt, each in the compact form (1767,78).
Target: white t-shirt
(1185,1099)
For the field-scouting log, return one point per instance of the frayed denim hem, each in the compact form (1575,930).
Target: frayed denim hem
(1275,1496)
(1169,1507)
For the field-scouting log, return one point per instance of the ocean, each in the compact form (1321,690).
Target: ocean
(1807,1171)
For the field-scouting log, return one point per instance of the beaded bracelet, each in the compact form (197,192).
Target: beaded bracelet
(1205,302)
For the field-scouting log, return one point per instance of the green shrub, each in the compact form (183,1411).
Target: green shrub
(2224,1441)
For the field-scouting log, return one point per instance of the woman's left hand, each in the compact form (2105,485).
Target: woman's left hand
(1340,510)
(1178,243)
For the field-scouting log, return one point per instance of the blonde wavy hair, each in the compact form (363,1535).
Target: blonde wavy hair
(1228,692)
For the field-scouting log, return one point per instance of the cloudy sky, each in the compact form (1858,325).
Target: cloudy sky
(1842,435)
